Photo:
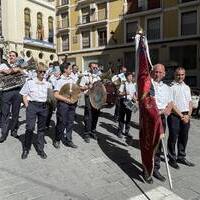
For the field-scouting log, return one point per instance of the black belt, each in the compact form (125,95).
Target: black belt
(39,103)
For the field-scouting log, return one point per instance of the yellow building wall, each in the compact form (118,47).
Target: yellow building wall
(117,27)
(75,42)
(74,16)
(170,24)
(169,3)
(115,9)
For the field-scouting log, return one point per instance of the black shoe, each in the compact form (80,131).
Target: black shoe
(14,133)
(42,155)
(184,161)
(71,144)
(160,177)
(86,138)
(56,144)
(119,134)
(127,134)
(147,179)
(173,164)
(93,135)
(2,139)
(24,154)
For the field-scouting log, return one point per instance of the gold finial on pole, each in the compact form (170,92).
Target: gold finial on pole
(140,30)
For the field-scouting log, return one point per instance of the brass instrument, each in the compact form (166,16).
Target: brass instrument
(71,91)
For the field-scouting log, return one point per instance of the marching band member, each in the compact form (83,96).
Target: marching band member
(90,114)
(119,77)
(127,90)
(34,94)
(54,77)
(65,110)
(75,73)
(10,98)
(179,126)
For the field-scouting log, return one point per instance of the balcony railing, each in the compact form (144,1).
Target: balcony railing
(39,43)
(62,3)
(138,6)
(99,16)
(63,24)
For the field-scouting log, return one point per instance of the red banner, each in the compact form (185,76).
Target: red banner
(150,122)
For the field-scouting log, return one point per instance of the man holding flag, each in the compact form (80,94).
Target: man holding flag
(151,129)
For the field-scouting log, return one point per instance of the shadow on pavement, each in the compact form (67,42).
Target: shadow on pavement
(120,156)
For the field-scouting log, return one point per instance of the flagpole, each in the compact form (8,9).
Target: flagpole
(166,164)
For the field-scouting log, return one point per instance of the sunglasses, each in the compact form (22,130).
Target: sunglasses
(41,72)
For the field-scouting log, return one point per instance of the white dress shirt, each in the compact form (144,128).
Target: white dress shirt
(36,90)
(89,79)
(162,94)
(181,96)
(62,81)
(130,88)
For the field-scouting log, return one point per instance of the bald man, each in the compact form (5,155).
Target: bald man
(163,102)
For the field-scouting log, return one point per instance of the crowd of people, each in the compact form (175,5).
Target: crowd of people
(174,104)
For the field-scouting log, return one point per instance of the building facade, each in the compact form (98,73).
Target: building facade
(28,28)
(103,31)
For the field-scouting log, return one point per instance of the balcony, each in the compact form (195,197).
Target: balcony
(142,6)
(99,17)
(185,3)
(38,43)
(63,25)
(62,4)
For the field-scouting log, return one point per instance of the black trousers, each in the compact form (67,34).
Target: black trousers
(50,113)
(178,134)
(117,108)
(11,101)
(91,116)
(65,120)
(35,111)
(157,158)
(124,112)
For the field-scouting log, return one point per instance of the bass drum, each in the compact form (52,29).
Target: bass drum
(111,90)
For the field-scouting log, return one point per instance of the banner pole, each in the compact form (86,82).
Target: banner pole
(166,164)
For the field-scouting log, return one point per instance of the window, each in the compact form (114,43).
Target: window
(153,28)
(51,57)
(189,23)
(27,22)
(64,2)
(154,54)
(86,39)
(28,54)
(65,20)
(102,13)
(65,42)
(185,56)
(40,29)
(40,55)
(85,15)
(102,37)
(131,28)
(50,24)
(184,1)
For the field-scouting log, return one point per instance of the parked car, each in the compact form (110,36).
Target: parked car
(195,92)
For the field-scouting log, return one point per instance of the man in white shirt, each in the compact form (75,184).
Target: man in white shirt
(127,91)
(179,127)
(34,94)
(90,114)
(163,102)
(11,99)
(65,110)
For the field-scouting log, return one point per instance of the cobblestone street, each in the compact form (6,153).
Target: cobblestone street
(107,169)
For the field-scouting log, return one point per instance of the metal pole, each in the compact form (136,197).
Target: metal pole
(166,164)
